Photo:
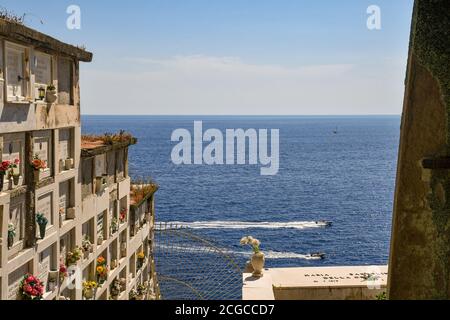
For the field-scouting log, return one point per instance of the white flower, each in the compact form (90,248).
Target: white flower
(244,241)
(250,239)
(11,227)
(255,242)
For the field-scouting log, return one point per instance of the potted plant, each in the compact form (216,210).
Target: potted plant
(68,163)
(101,270)
(38,166)
(87,246)
(89,288)
(74,256)
(140,259)
(11,235)
(31,288)
(257,259)
(42,221)
(51,95)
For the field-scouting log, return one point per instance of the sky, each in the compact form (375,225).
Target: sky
(234,57)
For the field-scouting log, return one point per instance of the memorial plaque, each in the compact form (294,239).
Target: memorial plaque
(14,67)
(43,69)
(14,280)
(64,196)
(64,81)
(41,148)
(12,150)
(64,144)
(44,206)
(45,263)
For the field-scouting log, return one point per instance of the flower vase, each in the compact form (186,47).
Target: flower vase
(37,175)
(258,261)
(10,241)
(10,183)
(51,96)
(88,293)
(16,179)
(42,229)
(68,163)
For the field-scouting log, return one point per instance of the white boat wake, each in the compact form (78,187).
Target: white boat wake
(272,255)
(251,225)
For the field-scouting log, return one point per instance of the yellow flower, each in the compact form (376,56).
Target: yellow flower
(100,269)
(141,255)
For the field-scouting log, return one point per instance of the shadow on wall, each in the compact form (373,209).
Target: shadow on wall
(16,113)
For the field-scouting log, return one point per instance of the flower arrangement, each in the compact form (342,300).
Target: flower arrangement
(38,164)
(114,225)
(74,256)
(254,243)
(42,222)
(101,270)
(14,165)
(89,288)
(4,167)
(115,288)
(132,295)
(123,215)
(86,244)
(141,290)
(31,288)
(11,234)
(51,87)
(41,219)
(62,272)
(87,285)
(141,255)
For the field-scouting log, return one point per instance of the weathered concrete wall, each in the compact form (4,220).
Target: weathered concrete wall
(420,245)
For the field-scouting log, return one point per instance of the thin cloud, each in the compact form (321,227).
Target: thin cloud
(199,84)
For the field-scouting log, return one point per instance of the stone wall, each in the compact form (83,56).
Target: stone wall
(420,245)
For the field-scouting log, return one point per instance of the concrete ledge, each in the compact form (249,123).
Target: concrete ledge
(257,288)
(317,283)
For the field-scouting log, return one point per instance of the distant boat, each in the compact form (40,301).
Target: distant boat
(319,255)
(335,131)
(325,223)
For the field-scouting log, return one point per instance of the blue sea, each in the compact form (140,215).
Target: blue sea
(346,178)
